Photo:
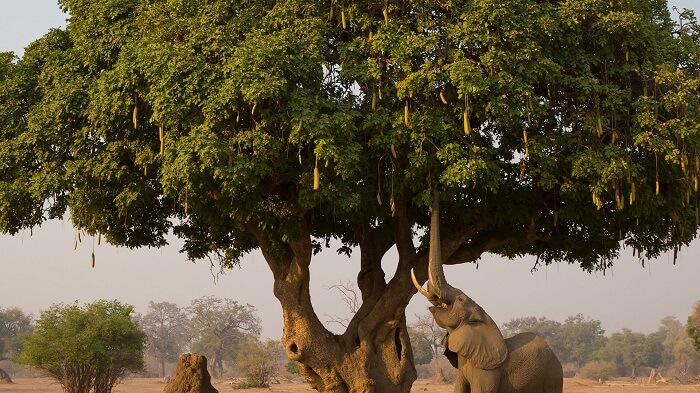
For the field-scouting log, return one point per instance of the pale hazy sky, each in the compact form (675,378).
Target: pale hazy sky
(41,268)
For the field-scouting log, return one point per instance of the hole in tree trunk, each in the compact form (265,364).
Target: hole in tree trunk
(397,343)
(293,348)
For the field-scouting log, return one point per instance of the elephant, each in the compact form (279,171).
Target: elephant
(474,345)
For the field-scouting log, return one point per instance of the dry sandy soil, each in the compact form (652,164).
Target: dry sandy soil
(151,385)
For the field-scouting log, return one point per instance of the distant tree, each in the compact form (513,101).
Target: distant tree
(88,348)
(597,370)
(13,324)
(260,361)
(679,358)
(422,353)
(165,325)
(580,339)
(655,349)
(291,367)
(218,327)
(686,359)
(693,326)
(627,348)
(427,332)
(669,332)
(545,328)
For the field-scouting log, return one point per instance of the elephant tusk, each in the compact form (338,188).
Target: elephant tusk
(418,286)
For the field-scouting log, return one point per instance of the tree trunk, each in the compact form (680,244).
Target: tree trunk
(362,364)
(217,366)
(652,376)
(162,367)
(374,354)
(213,366)
(439,376)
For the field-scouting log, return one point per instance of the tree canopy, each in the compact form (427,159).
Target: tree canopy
(582,123)
(562,129)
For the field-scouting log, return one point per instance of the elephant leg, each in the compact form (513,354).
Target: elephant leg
(486,381)
(554,384)
(461,386)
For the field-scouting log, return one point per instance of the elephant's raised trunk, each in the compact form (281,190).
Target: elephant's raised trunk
(438,288)
(437,284)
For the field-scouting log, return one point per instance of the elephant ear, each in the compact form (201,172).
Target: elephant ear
(450,355)
(481,342)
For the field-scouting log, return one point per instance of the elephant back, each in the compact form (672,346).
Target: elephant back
(531,355)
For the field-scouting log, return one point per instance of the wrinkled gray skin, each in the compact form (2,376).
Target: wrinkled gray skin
(474,345)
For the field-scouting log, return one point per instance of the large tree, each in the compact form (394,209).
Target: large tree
(562,129)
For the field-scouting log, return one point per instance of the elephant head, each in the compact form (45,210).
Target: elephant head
(470,330)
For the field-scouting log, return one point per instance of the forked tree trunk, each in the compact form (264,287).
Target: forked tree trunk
(374,354)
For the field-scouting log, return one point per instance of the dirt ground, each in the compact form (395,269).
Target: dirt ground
(154,385)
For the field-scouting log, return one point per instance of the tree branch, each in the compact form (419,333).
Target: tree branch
(472,248)
(349,296)
(403,233)
(279,267)
(299,250)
